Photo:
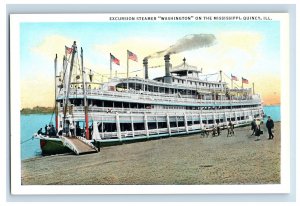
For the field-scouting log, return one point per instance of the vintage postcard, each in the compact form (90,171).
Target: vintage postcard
(161,103)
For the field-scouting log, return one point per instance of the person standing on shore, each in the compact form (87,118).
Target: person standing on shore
(270,126)
(230,128)
(218,129)
(253,127)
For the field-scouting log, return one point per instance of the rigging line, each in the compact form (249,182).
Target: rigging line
(209,74)
(53,112)
(66,67)
(63,81)
(31,138)
(230,80)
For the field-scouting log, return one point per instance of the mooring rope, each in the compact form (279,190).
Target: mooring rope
(31,138)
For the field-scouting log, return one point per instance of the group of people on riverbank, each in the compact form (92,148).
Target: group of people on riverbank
(216,130)
(256,128)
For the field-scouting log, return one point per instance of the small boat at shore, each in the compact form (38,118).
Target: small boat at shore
(90,113)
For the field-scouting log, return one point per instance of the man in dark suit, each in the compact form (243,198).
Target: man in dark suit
(270,126)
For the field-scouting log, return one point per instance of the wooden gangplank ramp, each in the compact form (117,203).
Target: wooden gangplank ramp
(78,145)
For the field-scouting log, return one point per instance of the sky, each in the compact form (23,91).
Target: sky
(248,49)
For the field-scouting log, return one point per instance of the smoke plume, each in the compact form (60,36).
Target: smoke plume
(189,42)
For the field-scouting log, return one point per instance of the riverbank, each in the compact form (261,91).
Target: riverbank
(37,110)
(189,159)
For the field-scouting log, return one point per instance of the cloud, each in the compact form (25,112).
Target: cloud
(37,90)
(51,45)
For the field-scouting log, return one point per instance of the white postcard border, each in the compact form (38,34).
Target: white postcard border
(18,189)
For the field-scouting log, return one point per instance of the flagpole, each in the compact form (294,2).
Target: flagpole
(110,65)
(85,103)
(55,95)
(242,83)
(127,71)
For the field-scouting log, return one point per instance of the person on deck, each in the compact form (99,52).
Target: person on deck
(40,131)
(46,133)
(270,126)
(72,130)
(52,131)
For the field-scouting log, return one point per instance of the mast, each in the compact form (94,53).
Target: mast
(221,79)
(110,66)
(127,71)
(55,94)
(87,135)
(74,50)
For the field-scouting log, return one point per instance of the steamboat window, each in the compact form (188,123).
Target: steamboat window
(139,126)
(161,125)
(180,123)
(125,127)
(151,125)
(210,121)
(173,124)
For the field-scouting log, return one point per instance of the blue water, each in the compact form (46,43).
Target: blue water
(273,111)
(31,124)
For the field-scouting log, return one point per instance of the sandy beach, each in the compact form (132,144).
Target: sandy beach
(188,159)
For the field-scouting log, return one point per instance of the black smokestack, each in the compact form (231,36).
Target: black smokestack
(167,64)
(145,63)
(167,77)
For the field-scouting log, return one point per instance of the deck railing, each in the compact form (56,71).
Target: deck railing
(109,110)
(158,97)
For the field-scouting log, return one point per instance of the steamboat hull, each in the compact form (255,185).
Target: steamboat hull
(52,146)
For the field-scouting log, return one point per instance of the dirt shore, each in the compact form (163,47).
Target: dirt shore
(189,159)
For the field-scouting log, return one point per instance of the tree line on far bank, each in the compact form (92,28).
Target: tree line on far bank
(37,110)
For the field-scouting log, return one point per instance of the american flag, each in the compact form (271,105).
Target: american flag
(68,50)
(132,56)
(234,78)
(114,59)
(245,81)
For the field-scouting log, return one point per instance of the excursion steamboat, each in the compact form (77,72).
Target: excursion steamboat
(89,114)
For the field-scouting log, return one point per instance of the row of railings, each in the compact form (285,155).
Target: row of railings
(161,97)
(80,109)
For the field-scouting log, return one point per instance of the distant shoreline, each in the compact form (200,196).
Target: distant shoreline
(37,110)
